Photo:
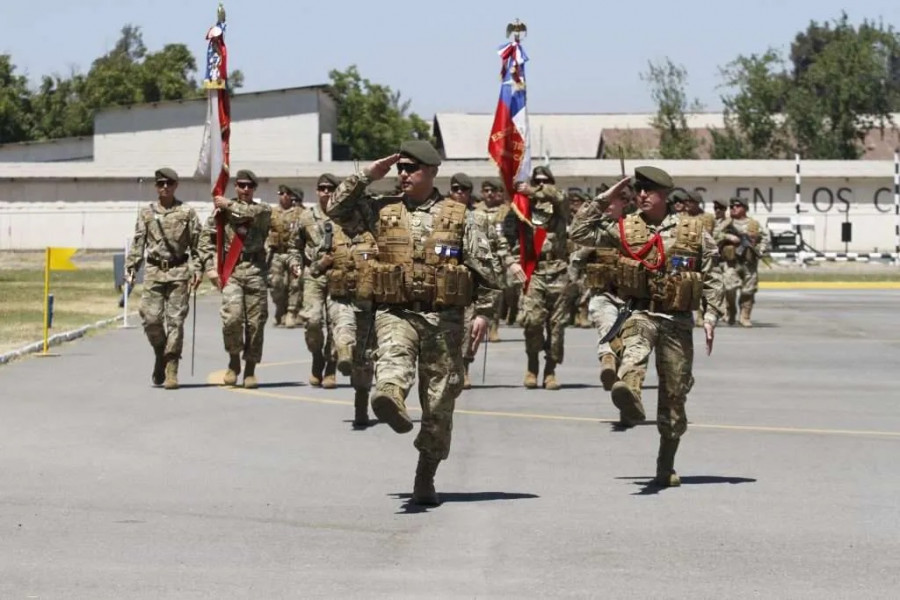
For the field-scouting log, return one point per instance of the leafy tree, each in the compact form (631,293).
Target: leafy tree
(169,74)
(59,110)
(667,83)
(371,118)
(15,103)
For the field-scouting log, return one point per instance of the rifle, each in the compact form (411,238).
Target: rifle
(745,244)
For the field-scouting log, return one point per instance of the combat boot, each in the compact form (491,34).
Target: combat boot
(315,374)
(345,359)
(329,381)
(361,408)
(608,375)
(532,373)
(423,488)
(250,381)
(550,382)
(628,402)
(171,382)
(289,321)
(665,464)
(159,367)
(389,407)
(494,335)
(746,308)
(234,369)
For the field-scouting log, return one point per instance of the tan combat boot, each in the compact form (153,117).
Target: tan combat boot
(532,373)
(665,464)
(171,382)
(345,359)
(608,375)
(250,381)
(389,407)
(494,335)
(550,382)
(234,369)
(329,381)
(631,410)
(159,366)
(424,493)
(746,308)
(289,321)
(361,409)
(315,374)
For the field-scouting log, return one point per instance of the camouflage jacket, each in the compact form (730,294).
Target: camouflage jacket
(352,201)
(308,245)
(165,236)
(549,210)
(592,228)
(499,248)
(283,228)
(759,236)
(251,219)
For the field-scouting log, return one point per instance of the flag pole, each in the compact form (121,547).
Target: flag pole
(46,299)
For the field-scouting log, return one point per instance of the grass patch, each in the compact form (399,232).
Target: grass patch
(816,274)
(79,298)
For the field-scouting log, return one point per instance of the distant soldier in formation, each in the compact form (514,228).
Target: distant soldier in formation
(165,237)
(496,205)
(694,207)
(664,270)
(432,263)
(579,294)
(545,299)
(245,303)
(286,288)
(316,235)
(743,243)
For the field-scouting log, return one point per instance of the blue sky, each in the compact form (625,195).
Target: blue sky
(585,56)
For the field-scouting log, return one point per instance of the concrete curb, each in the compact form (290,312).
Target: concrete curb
(59,338)
(829,285)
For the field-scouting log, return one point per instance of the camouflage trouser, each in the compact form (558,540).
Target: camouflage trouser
(603,310)
(469,317)
(314,315)
(286,288)
(245,309)
(164,307)
(405,338)
(743,277)
(544,308)
(673,341)
(352,324)
(508,304)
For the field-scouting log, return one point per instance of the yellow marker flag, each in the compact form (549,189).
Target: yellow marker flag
(59,259)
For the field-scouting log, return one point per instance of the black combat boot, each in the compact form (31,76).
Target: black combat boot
(159,366)
(423,488)
(361,407)
(665,464)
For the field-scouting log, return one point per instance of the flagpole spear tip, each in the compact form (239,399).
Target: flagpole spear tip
(220,13)
(516,29)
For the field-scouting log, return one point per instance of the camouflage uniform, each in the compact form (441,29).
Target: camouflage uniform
(426,251)
(245,306)
(309,248)
(663,297)
(286,288)
(741,266)
(546,299)
(167,236)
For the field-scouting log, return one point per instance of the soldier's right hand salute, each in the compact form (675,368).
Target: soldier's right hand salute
(381,167)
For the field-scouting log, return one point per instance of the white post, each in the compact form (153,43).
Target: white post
(125,289)
(897,206)
(797,208)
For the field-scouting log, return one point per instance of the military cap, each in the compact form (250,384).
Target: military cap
(719,204)
(696,196)
(740,201)
(461,179)
(296,192)
(420,151)
(653,177)
(328,178)
(166,173)
(247,175)
(678,195)
(283,189)
(543,171)
(492,182)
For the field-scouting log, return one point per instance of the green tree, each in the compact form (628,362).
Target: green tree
(372,119)
(667,88)
(169,74)
(59,110)
(15,103)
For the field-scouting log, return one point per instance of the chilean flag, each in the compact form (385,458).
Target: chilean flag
(510,147)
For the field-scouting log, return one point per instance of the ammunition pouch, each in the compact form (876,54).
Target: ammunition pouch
(387,283)
(438,287)
(728,253)
(601,273)
(631,277)
(452,286)
(681,291)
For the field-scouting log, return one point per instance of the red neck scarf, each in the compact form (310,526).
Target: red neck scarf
(655,241)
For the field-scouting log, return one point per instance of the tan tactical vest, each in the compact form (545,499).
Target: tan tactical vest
(415,270)
(677,284)
(600,270)
(729,251)
(284,228)
(350,275)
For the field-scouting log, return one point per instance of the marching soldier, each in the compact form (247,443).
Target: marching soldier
(245,303)
(664,270)
(579,295)
(494,203)
(165,237)
(431,264)
(286,288)
(744,242)
(694,208)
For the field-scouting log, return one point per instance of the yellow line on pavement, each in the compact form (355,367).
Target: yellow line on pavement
(829,285)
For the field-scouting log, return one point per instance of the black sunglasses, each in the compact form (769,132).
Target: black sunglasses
(161,183)
(458,188)
(408,168)
(642,186)
(246,185)
(325,188)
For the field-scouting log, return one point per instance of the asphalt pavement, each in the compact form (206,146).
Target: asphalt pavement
(110,488)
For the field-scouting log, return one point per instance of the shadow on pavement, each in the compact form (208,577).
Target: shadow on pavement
(498,386)
(409,508)
(649,487)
